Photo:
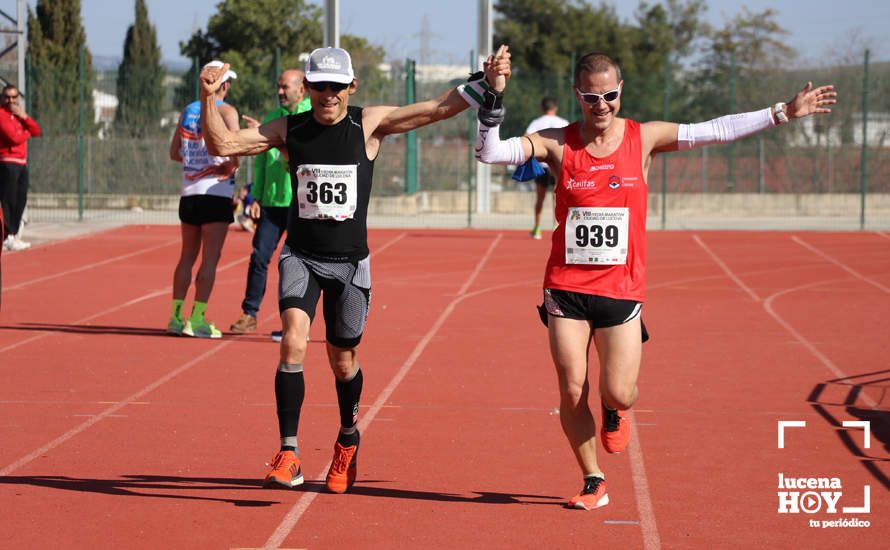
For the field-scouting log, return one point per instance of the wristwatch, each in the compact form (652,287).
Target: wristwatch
(779,112)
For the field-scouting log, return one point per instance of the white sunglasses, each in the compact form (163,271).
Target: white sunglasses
(594,98)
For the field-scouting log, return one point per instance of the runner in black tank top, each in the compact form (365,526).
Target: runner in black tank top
(326,252)
(309,142)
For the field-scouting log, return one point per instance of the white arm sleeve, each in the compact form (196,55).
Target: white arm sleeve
(491,150)
(724,129)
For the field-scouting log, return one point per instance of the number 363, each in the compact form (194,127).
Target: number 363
(326,193)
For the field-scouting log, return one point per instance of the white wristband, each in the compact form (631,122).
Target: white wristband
(779,110)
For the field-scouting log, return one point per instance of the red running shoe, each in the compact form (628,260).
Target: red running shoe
(285,472)
(614,430)
(593,495)
(344,468)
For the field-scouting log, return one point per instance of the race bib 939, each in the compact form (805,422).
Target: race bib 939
(597,236)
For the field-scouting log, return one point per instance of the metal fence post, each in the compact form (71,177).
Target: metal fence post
(28,79)
(863,158)
(197,78)
(730,177)
(80,132)
(410,137)
(664,166)
(704,169)
(761,162)
(471,165)
(573,105)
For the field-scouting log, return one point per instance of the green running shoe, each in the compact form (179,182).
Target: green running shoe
(203,329)
(174,326)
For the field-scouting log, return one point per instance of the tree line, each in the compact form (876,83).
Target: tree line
(673,61)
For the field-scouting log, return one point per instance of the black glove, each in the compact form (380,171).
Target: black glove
(491,112)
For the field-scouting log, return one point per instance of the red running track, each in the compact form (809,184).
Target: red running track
(114,434)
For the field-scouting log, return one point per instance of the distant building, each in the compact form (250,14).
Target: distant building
(428,73)
(104,110)
(808,131)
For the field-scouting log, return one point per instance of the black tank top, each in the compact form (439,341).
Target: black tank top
(321,155)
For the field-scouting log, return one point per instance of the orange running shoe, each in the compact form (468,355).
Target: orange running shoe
(285,472)
(614,430)
(593,495)
(344,468)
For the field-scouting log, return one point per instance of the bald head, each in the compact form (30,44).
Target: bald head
(290,88)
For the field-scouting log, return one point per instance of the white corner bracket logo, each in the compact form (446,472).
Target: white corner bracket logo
(813,494)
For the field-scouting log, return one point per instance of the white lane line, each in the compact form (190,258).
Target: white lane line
(389,243)
(299,508)
(726,269)
(110,411)
(840,264)
(49,332)
(651,539)
(133,399)
(828,363)
(134,301)
(768,306)
(86,267)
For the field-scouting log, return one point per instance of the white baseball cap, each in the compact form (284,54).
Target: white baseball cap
(215,64)
(329,65)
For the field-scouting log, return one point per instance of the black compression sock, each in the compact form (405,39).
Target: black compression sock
(349,393)
(290,389)
(348,439)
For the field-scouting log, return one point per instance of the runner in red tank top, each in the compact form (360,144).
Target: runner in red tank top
(594,284)
(594,187)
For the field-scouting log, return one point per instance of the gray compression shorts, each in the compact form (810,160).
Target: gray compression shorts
(346,287)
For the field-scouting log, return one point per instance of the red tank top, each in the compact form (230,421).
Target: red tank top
(601,188)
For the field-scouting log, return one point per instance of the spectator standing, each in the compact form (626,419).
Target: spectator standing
(205,210)
(271,192)
(16,128)
(545,181)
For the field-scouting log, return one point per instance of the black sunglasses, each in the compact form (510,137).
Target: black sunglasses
(593,98)
(336,87)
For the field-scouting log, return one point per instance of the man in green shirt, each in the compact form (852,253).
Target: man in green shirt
(271,193)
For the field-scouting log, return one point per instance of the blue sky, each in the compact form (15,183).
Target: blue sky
(820,29)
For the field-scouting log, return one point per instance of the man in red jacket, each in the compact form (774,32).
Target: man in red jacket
(15,129)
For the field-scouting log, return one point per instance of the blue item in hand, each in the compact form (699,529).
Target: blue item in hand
(528,170)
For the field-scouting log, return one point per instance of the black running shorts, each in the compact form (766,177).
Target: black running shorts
(546,179)
(600,311)
(201,209)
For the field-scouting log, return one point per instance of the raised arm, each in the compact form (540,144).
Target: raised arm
(384,121)
(219,138)
(544,145)
(667,136)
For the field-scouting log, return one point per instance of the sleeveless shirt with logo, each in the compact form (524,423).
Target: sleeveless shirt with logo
(331,178)
(196,159)
(599,246)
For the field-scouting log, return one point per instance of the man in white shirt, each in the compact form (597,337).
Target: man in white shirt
(546,180)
